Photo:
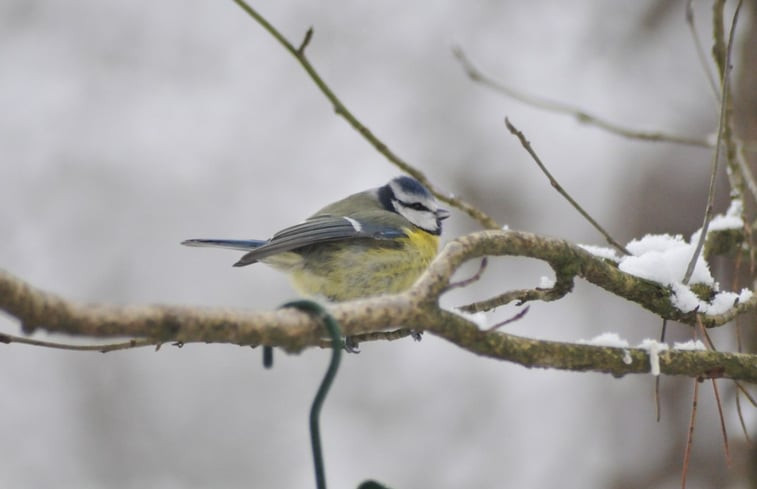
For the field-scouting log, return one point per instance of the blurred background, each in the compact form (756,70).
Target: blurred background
(126,127)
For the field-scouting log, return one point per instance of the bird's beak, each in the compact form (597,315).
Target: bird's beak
(442,214)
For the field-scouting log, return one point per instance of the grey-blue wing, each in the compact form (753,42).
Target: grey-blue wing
(319,229)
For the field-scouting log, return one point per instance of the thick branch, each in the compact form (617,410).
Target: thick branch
(416,308)
(587,358)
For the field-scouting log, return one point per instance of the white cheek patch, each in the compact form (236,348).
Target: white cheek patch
(423,219)
(355,225)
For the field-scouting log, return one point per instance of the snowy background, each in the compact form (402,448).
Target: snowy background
(126,127)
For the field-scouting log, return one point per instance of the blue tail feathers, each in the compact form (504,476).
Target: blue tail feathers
(234,244)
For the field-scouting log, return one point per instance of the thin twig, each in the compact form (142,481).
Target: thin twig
(658,408)
(396,334)
(484,219)
(744,429)
(581,115)
(746,393)
(664,330)
(527,145)
(305,41)
(718,35)
(738,174)
(739,343)
(716,156)
(474,278)
(707,340)
(690,436)
(507,321)
(722,423)
(135,343)
(519,296)
(703,59)
(562,286)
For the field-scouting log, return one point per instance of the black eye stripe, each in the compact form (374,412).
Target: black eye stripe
(414,205)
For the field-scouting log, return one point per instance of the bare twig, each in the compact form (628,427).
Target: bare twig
(527,145)
(339,107)
(706,336)
(663,330)
(581,115)
(739,343)
(740,414)
(746,393)
(519,296)
(690,437)
(126,345)
(722,422)
(472,279)
(396,334)
(658,408)
(703,59)
(516,317)
(739,173)
(716,154)
(305,41)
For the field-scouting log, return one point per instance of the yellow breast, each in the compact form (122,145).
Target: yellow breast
(345,271)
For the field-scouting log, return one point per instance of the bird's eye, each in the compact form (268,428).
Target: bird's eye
(417,206)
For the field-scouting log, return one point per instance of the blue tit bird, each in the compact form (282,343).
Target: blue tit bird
(374,242)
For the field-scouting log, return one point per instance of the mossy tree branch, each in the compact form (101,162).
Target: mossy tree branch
(416,308)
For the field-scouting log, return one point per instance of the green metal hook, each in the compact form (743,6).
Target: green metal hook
(315,409)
